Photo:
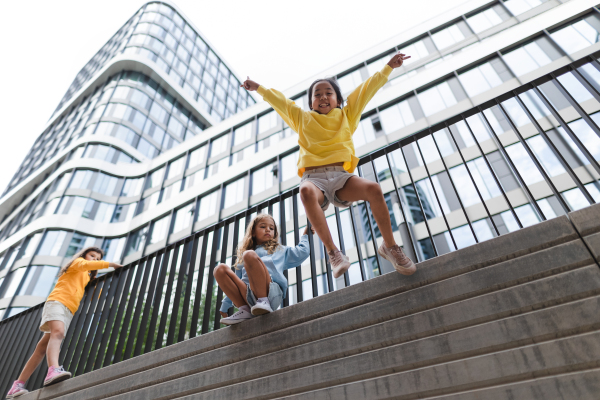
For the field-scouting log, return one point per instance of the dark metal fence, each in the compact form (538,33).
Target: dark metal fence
(170,295)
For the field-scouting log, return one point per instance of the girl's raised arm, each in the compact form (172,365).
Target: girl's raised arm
(94,265)
(360,97)
(295,256)
(286,108)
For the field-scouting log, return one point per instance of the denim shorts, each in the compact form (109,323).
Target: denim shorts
(329,180)
(55,311)
(275,296)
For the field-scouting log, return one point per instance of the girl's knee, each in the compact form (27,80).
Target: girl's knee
(248,256)
(220,270)
(307,193)
(374,191)
(57,334)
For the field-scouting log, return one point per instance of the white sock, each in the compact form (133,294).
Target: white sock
(245,308)
(263,299)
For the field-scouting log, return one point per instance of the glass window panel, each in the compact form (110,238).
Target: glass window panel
(526,58)
(484,20)
(15,279)
(113,248)
(350,81)
(447,37)
(234,193)
(517,7)
(365,132)
(159,230)
(105,184)
(197,156)
(183,217)
(289,166)
(136,240)
(132,187)
(78,243)
(155,178)
(219,145)
(176,127)
(262,179)
(416,50)
(436,99)
(243,154)
(267,121)
(176,167)
(208,206)
(81,179)
(242,134)
(52,243)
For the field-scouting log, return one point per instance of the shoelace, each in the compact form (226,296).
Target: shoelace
(237,313)
(397,251)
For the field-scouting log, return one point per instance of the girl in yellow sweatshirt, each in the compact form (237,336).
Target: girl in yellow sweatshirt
(327,159)
(58,312)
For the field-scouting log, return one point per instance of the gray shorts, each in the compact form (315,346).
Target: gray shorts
(55,311)
(329,180)
(275,296)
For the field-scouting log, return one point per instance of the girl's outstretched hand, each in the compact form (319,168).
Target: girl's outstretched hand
(398,60)
(312,229)
(223,314)
(250,85)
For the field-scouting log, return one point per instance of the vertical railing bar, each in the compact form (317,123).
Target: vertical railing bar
(136,300)
(568,130)
(164,315)
(493,172)
(33,344)
(25,327)
(125,298)
(217,322)
(367,207)
(561,159)
(462,206)
(236,233)
(406,221)
(313,266)
(188,287)
(413,183)
(437,199)
(328,271)
(103,333)
(78,320)
(210,283)
(156,300)
(575,105)
(283,241)
(180,275)
(294,199)
(198,296)
(586,84)
(487,211)
(66,344)
(342,244)
(513,169)
(92,331)
(535,160)
(75,369)
(361,265)
(109,330)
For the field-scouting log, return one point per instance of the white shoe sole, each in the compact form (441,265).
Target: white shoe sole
(411,269)
(12,396)
(233,322)
(58,378)
(260,311)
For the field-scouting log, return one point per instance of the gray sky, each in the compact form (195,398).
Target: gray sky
(278,43)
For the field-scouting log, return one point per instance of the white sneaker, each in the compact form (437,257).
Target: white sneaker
(236,318)
(261,307)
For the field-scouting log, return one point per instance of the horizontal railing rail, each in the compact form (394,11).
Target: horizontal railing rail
(517,159)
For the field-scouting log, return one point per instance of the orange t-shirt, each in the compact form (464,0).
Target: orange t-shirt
(70,285)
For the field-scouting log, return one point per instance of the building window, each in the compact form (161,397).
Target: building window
(579,35)
(234,193)
(52,243)
(450,35)
(242,134)
(487,19)
(39,280)
(531,56)
(396,117)
(480,79)
(183,217)
(136,240)
(263,178)
(267,121)
(437,99)
(159,230)
(517,7)
(207,206)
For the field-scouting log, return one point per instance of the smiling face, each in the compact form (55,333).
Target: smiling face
(324,98)
(264,230)
(93,256)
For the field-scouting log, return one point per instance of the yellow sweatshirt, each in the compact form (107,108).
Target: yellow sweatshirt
(70,285)
(327,139)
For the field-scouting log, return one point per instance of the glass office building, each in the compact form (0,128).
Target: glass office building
(154,140)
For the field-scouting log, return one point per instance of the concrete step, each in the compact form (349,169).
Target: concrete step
(511,260)
(484,377)
(546,324)
(485,280)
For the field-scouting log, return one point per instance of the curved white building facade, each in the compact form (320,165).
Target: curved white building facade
(155,139)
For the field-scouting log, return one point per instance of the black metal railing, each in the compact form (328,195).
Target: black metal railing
(170,295)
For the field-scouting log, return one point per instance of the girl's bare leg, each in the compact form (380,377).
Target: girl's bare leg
(357,188)
(258,274)
(312,198)
(231,285)
(57,334)
(36,358)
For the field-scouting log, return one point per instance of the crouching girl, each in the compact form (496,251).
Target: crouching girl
(258,286)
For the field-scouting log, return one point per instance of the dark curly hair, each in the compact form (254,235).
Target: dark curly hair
(82,254)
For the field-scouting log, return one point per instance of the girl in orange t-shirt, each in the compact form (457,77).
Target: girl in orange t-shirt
(58,312)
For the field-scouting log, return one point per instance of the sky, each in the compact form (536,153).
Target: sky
(277,43)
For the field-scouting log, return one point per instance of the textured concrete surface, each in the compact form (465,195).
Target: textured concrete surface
(506,274)
(586,220)
(475,378)
(545,324)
